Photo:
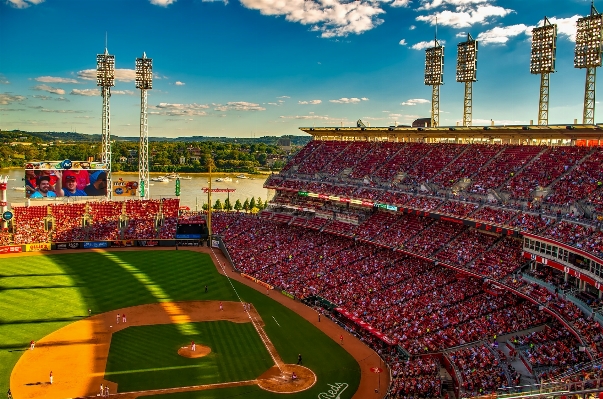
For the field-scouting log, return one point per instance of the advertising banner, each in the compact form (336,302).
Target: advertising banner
(68,245)
(189,236)
(122,243)
(187,243)
(95,244)
(10,249)
(215,244)
(148,243)
(125,188)
(40,246)
(52,179)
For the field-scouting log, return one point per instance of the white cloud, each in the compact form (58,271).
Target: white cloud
(412,27)
(6,98)
(465,17)
(502,34)
(403,42)
(401,3)
(50,89)
(283,97)
(179,83)
(51,79)
(121,75)
(63,111)
(332,18)
(277,104)
(565,26)
(312,102)
(162,3)
(238,106)
(179,109)
(3,80)
(126,92)
(345,100)
(85,92)
(431,4)
(395,115)
(415,101)
(311,116)
(426,45)
(24,3)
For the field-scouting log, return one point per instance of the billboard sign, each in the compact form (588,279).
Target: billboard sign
(125,188)
(52,179)
(95,244)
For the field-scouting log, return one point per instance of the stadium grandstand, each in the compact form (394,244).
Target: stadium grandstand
(469,258)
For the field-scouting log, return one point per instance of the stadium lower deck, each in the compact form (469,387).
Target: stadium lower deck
(471,258)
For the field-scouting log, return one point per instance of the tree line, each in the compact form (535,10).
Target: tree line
(186,157)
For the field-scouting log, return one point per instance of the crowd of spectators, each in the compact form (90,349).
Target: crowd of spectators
(416,378)
(30,225)
(480,370)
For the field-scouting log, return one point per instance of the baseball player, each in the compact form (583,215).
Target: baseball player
(118,318)
(341,339)
(32,344)
(123,318)
(193,346)
(221,306)
(51,377)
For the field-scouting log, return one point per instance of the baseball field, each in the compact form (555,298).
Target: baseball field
(242,351)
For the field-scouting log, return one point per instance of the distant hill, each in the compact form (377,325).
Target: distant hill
(18,135)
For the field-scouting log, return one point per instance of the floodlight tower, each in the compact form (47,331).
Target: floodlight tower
(144,82)
(105,78)
(589,38)
(434,77)
(542,62)
(466,68)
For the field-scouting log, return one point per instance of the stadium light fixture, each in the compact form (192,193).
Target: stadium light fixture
(587,55)
(542,62)
(105,78)
(434,77)
(144,82)
(466,72)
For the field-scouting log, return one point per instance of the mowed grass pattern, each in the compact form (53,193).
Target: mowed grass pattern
(143,358)
(38,295)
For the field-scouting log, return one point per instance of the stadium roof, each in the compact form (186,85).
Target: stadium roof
(405,133)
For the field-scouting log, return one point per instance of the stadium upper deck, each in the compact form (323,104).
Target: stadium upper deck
(512,134)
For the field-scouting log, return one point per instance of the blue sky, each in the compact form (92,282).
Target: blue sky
(249,68)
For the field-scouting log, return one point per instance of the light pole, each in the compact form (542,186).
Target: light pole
(144,82)
(434,77)
(542,62)
(589,37)
(466,67)
(105,78)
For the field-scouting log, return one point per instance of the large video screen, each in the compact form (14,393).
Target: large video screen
(55,179)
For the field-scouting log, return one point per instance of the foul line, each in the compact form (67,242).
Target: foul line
(262,334)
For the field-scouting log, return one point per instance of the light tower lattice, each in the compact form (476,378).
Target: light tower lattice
(589,38)
(105,78)
(144,82)
(466,68)
(542,62)
(434,77)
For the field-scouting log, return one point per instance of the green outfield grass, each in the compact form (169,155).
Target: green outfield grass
(40,294)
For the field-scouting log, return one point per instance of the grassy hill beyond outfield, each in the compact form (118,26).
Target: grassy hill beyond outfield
(40,294)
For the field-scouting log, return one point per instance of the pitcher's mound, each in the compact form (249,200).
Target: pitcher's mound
(199,351)
(275,380)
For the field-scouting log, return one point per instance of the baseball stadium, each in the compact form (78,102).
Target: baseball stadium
(400,262)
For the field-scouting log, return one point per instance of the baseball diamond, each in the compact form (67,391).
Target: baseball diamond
(240,350)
